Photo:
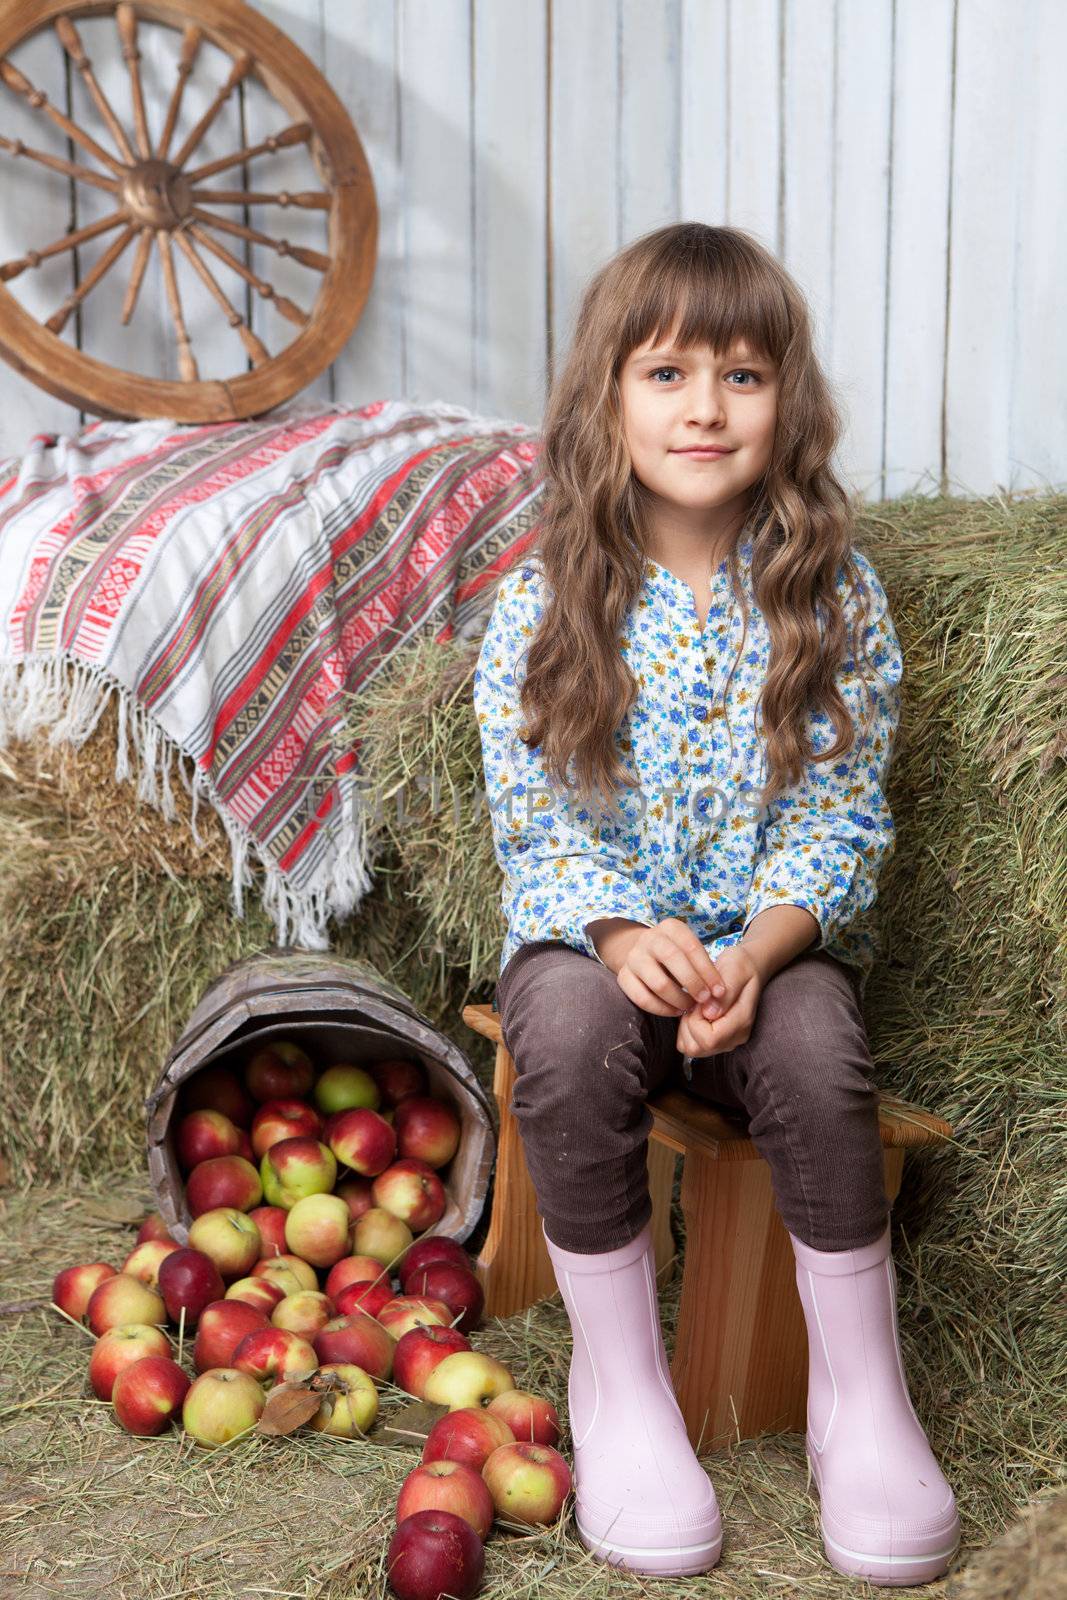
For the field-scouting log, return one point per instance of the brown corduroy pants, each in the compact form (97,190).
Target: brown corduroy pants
(586,1058)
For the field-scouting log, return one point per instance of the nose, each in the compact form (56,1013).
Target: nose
(705,402)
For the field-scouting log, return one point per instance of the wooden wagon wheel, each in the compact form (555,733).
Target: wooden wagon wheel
(163,195)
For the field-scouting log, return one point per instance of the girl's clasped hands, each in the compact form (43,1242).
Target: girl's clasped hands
(668,972)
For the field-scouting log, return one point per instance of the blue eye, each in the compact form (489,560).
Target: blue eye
(746,370)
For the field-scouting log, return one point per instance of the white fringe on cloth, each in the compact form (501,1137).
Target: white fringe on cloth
(69,697)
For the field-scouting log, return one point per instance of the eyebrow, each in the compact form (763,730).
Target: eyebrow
(659,355)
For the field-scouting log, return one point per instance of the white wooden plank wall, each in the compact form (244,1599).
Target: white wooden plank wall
(903,158)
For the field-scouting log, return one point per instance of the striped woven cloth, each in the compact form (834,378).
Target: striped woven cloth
(231,584)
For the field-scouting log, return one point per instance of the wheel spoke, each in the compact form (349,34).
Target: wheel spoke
(140,261)
(298,133)
(309,200)
(190,45)
(307,258)
(126,21)
(71,168)
(71,42)
(58,320)
(70,241)
(286,307)
(186,359)
(18,83)
(238,72)
(258,351)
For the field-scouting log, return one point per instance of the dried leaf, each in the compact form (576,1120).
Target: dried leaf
(288,1406)
(411,1425)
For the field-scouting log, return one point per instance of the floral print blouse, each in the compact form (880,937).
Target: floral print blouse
(691,842)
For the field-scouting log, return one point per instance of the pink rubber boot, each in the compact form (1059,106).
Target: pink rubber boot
(642,1499)
(887,1512)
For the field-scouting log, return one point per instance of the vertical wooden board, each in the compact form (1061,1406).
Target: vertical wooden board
(34,212)
(583,224)
(860,186)
(650,105)
(990,49)
(1038,399)
(361,46)
(705,135)
(808,103)
(753,46)
(510,225)
(918,247)
(436,139)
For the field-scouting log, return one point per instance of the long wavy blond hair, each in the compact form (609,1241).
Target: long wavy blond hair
(713,285)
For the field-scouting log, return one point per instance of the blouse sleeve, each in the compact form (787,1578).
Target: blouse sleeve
(827,838)
(558,875)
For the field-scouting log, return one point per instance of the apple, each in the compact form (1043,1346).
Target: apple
(148,1395)
(456,1286)
(279,1071)
(426,1128)
(435,1553)
(121,1347)
(272,1355)
(349,1409)
(402,1312)
(364,1296)
(354,1269)
(72,1288)
(123,1298)
(230,1238)
(467,1378)
(217,1089)
(317,1229)
(447,1486)
(189,1279)
(362,1140)
(356,1193)
(144,1260)
(343,1086)
(530,1418)
(284,1269)
(223,1181)
(398,1079)
(153,1227)
(304,1312)
(469,1435)
(419,1351)
(425,1251)
(203,1134)
(356,1339)
(283,1119)
(220,1404)
(263,1293)
(379,1234)
(294,1168)
(529,1483)
(270,1220)
(413,1192)
(222,1326)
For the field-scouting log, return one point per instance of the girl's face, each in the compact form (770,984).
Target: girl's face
(673,400)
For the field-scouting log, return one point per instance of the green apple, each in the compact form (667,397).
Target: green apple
(343,1086)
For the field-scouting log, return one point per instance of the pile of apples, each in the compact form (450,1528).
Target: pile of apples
(348,1164)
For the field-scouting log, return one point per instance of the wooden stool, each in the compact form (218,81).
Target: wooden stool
(740,1357)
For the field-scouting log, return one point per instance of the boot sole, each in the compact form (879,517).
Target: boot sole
(678,1561)
(876,1566)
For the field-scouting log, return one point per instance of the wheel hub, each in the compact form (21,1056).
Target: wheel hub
(156,194)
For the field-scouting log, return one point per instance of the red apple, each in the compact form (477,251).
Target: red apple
(530,1418)
(362,1140)
(379,1234)
(283,1119)
(304,1313)
(426,1128)
(364,1296)
(294,1168)
(356,1339)
(230,1238)
(435,1553)
(222,1326)
(120,1299)
(189,1279)
(529,1483)
(402,1312)
(355,1269)
(447,1486)
(121,1347)
(469,1435)
(413,1192)
(456,1286)
(144,1260)
(274,1354)
(424,1251)
(153,1227)
(270,1220)
(217,1088)
(279,1071)
(203,1135)
(220,1404)
(148,1395)
(223,1181)
(356,1194)
(259,1292)
(420,1350)
(72,1288)
(343,1086)
(316,1229)
(398,1079)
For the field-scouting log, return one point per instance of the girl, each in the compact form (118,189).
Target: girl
(688,827)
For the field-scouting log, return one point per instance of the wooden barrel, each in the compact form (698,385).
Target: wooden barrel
(337,1009)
